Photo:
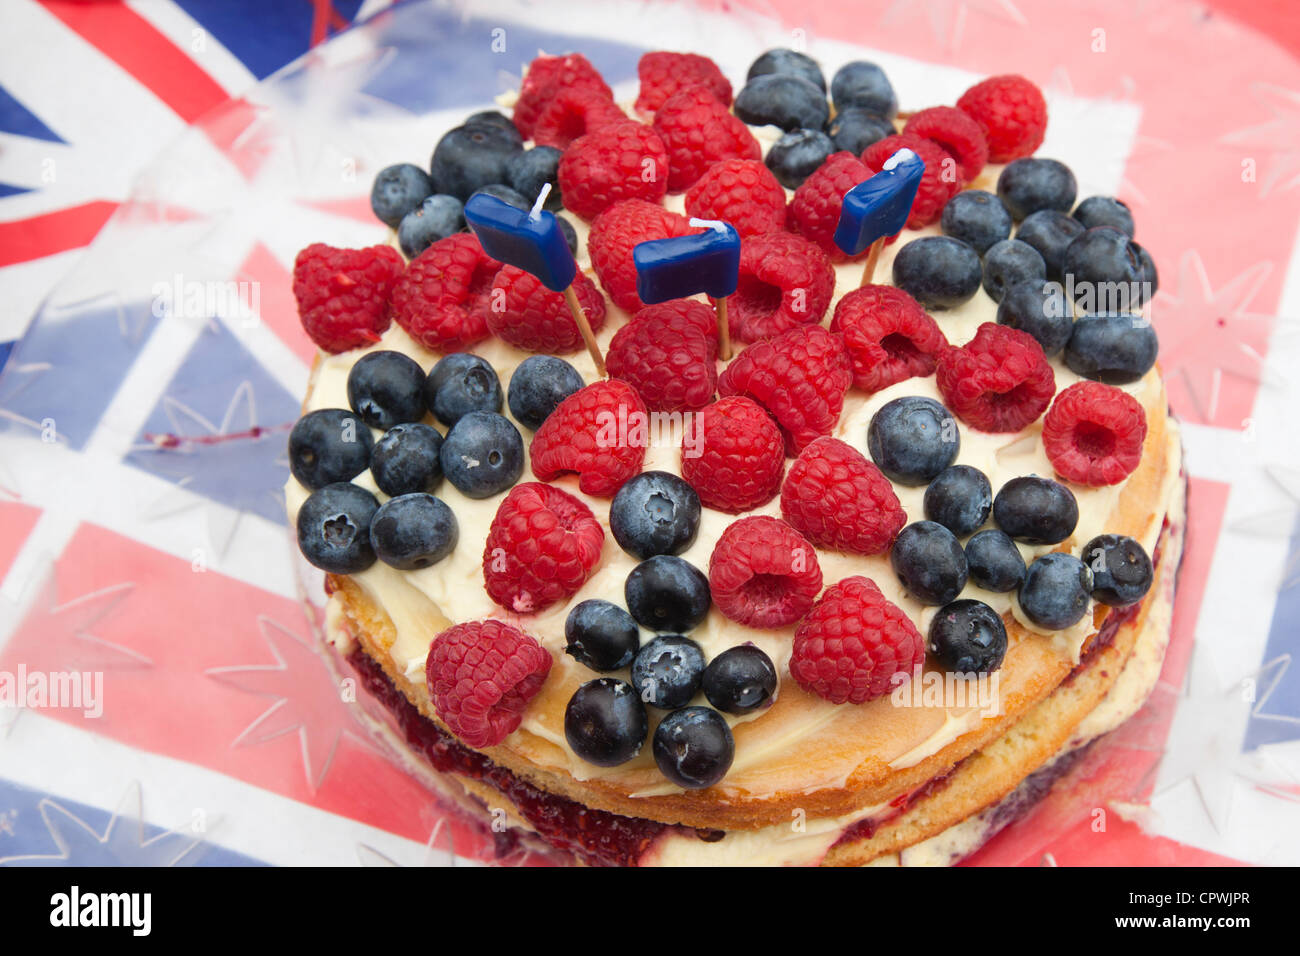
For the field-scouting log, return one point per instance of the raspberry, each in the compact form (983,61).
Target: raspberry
(939,183)
(888,335)
(613,235)
(442,300)
(698,130)
(800,377)
(663,73)
(999,381)
(742,192)
(575,111)
(853,642)
(1093,433)
(1012,113)
(623,160)
(668,353)
(956,132)
(481,676)
(737,457)
(815,210)
(784,281)
(599,432)
(763,573)
(545,77)
(530,316)
(837,499)
(541,547)
(343,293)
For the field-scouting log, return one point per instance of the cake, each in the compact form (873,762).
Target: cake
(903,690)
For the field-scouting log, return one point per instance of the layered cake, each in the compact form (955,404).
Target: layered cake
(857,592)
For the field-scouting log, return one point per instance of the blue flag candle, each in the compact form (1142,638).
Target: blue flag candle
(877,208)
(707,262)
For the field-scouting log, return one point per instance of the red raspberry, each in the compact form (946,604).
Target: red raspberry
(623,160)
(999,381)
(599,432)
(853,642)
(481,676)
(837,499)
(442,300)
(698,130)
(541,547)
(1012,113)
(669,354)
(939,183)
(575,111)
(735,458)
(343,293)
(956,132)
(611,240)
(546,76)
(663,73)
(815,208)
(742,192)
(800,377)
(763,573)
(530,316)
(1093,433)
(888,335)
(785,281)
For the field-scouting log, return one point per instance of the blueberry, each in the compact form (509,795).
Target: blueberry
(1036,510)
(938,272)
(413,531)
(436,218)
(740,680)
(960,498)
(654,512)
(856,128)
(386,388)
(797,154)
(529,171)
(498,119)
(666,593)
(329,445)
(912,439)
(693,747)
(397,190)
(471,157)
(967,637)
(780,99)
(538,385)
(976,218)
(1115,348)
(929,561)
(570,234)
(1050,232)
(667,671)
(1027,185)
(1008,263)
(334,528)
(1054,594)
(1121,569)
(1105,211)
(482,455)
(1149,275)
(994,560)
(1106,269)
(865,85)
(601,635)
(510,197)
(787,62)
(405,459)
(605,722)
(461,383)
(1041,309)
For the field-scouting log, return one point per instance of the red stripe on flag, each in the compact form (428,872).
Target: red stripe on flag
(26,239)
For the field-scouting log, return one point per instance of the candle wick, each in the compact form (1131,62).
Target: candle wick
(902,156)
(715,224)
(536,212)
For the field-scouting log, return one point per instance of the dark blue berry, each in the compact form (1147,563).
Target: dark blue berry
(482,455)
(386,388)
(329,445)
(797,154)
(693,747)
(912,439)
(1027,185)
(865,85)
(666,593)
(994,560)
(784,100)
(405,459)
(789,63)
(601,635)
(960,498)
(1115,348)
(1036,510)
(510,197)
(468,158)
(461,383)
(334,528)
(1009,263)
(605,722)
(1041,309)
(436,218)
(397,190)
(929,561)
(1150,278)
(740,680)
(1121,569)
(1050,232)
(413,531)
(967,637)
(654,512)
(495,118)
(538,385)
(1106,270)
(977,218)
(1054,594)
(532,169)
(1105,211)
(938,272)
(667,671)
(570,234)
(855,129)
